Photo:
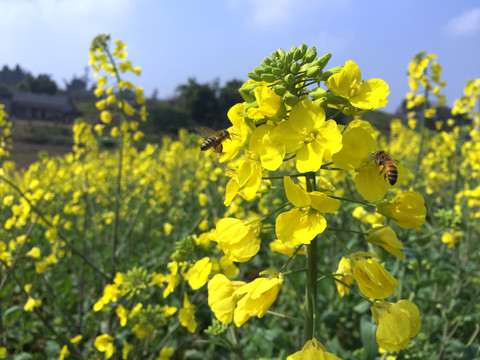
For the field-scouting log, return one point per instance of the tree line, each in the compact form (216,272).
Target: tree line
(192,105)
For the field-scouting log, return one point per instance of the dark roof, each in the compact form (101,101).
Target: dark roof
(44,101)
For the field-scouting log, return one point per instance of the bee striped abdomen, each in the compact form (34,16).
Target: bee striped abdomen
(387,167)
(213,139)
(207,144)
(391,172)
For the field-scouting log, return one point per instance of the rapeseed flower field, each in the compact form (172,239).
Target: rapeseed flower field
(299,237)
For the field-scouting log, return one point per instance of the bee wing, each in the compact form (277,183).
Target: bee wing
(205,131)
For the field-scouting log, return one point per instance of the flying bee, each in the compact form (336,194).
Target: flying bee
(213,139)
(387,166)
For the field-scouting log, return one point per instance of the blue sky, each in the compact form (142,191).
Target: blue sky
(225,39)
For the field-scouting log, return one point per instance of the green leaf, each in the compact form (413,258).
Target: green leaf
(368,330)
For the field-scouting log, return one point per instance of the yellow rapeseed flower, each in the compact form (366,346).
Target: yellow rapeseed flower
(397,323)
(197,275)
(347,83)
(313,349)
(31,304)
(221,297)
(385,237)
(301,224)
(186,315)
(104,343)
(238,238)
(373,280)
(406,209)
(309,136)
(344,273)
(258,295)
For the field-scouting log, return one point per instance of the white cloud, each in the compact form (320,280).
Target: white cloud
(467,23)
(272,11)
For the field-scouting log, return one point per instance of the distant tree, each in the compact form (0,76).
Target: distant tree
(166,116)
(154,96)
(76,84)
(42,84)
(201,102)
(5,92)
(13,76)
(229,96)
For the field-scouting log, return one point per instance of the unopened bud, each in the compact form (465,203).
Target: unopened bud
(246,92)
(314,71)
(295,68)
(323,61)
(310,55)
(279,90)
(269,78)
(254,76)
(259,70)
(290,99)
(290,79)
(317,93)
(297,55)
(277,71)
(303,48)
(289,57)
(326,74)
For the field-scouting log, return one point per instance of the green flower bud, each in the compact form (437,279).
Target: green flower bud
(268,69)
(297,55)
(326,74)
(295,68)
(314,71)
(277,71)
(281,53)
(303,48)
(290,79)
(269,78)
(259,70)
(267,61)
(290,99)
(254,76)
(279,90)
(289,57)
(322,62)
(246,92)
(310,55)
(317,93)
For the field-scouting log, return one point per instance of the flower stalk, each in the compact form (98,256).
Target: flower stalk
(311,284)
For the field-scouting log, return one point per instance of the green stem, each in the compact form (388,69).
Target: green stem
(277,177)
(353,201)
(346,230)
(311,285)
(274,211)
(286,273)
(283,316)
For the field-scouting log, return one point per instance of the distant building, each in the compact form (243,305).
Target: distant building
(30,106)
